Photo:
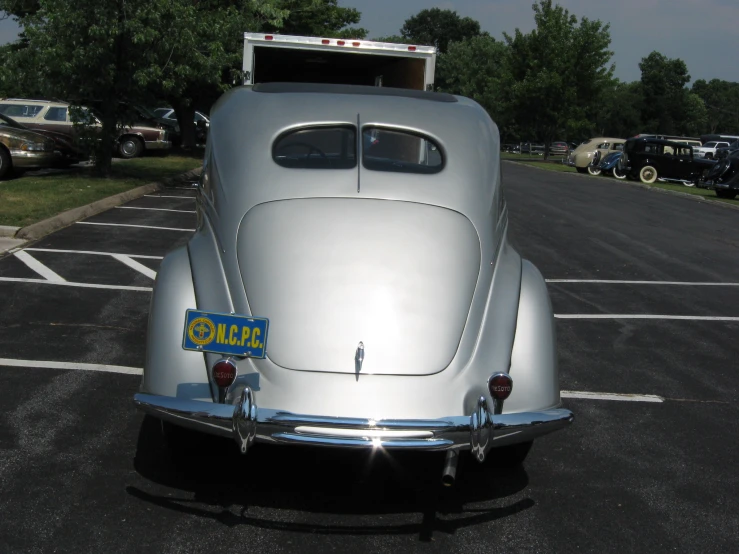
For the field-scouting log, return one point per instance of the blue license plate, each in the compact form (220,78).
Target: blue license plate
(228,334)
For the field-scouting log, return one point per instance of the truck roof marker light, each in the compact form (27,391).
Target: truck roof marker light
(340,42)
(325,41)
(356,44)
(411,49)
(268,37)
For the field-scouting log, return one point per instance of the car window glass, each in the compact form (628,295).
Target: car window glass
(684,153)
(399,151)
(20,110)
(56,114)
(603,146)
(317,148)
(199,117)
(618,147)
(710,144)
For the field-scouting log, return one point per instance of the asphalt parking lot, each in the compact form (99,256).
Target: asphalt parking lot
(646,291)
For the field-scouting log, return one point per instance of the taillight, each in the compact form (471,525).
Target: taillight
(356,43)
(224,373)
(411,49)
(268,37)
(500,386)
(325,41)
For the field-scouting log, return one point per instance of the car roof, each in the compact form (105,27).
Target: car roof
(658,141)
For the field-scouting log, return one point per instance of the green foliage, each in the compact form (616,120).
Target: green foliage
(393,38)
(665,96)
(620,110)
(437,27)
(721,99)
(557,71)
(476,67)
(319,18)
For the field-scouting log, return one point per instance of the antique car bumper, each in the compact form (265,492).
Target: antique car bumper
(24,159)
(158,144)
(246,423)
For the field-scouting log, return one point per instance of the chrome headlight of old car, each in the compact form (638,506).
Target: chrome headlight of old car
(37,146)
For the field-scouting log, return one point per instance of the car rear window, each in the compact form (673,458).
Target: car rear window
(400,151)
(20,110)
(317,148)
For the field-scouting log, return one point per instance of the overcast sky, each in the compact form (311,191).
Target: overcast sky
(701,32)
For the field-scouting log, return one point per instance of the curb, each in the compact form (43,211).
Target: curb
(8,231)
(642,186)
(59,221)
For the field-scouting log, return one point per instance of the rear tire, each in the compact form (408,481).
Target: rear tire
(509,456)
(581,169)
(6,163)
(618,174)
(594,171)
(648,174)
(727,194)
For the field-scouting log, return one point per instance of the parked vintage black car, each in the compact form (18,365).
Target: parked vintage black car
(722,153)
(723,177)
(649,159)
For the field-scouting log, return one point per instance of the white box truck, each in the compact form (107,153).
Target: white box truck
(293,59)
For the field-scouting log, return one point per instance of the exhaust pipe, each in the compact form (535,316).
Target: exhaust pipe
(450,468)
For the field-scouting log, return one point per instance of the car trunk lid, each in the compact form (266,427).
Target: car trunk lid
(331,273)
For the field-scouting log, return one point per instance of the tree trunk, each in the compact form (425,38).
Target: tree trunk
(547,144)
(108,136)
(186,120)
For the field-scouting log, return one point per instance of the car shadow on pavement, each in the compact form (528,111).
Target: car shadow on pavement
(214,475)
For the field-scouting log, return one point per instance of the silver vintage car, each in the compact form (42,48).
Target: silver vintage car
(350,283)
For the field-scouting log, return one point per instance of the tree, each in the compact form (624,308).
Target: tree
(475,67)
(620,110)
(437,27)
(663,84)
(115,51)
(557,72)
(721,99)
(320,18)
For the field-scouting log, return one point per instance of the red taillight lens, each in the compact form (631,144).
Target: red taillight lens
(356,43)
(411,49)
(224,373)
(268,37)
(500,386)
(340,42)
(325,41)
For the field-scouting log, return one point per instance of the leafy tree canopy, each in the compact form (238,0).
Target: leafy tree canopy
(320,18)
(721,99)
(437,27)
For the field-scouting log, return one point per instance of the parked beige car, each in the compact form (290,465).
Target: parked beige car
(590,152)
(23,149)
(55,116)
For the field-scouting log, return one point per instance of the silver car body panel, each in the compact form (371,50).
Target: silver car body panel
(495,317)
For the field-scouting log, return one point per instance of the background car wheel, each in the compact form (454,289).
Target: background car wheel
(509,456)
(729,194)
(582,169)
(619,174)
(595,171)
(130,147)
(6,164)
(648,174)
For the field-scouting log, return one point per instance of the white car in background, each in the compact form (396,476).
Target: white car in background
(708,150)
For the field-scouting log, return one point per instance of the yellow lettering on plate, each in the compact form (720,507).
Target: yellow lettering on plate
(232,340)
(244,335)
(255,338)
(221,339)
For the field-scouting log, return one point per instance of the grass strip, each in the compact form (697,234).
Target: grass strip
(30,199)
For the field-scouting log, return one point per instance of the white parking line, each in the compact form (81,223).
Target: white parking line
(647,316)
(38,267)
(162,196)
(141,268)
(156,209)
(618,282)
(69,365)
(69,284)
(95,253)
(611,396)
(129,225)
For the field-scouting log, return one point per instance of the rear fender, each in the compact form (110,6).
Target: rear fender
(170,370)
(534,357)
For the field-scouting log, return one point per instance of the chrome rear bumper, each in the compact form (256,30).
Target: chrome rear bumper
(246,423)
